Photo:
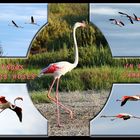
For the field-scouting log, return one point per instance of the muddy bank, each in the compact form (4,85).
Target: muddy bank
(85,106)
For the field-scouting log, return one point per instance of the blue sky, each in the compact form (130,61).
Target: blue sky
(33,122)
(15,41)
(103,126)
(123,41)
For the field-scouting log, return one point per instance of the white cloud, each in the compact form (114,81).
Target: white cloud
(101,10)
(22,12)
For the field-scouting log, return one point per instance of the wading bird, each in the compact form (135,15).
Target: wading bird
(4,104)
(32,21)
(123,116)
(129,98)
(128,16)
(117,22)
(61,68)
(15,25)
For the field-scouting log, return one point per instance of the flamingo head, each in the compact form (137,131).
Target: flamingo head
(19,98)
(80,24)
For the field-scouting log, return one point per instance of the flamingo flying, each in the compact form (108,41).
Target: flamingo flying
(117,22)
(15,25)
(128,16)
(4,104)
(32,21)
(129,98)
(123,116)
(61,68)
(136,18)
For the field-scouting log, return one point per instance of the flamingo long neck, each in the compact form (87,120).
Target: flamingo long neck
(108,116)
(13,106)
(75,47)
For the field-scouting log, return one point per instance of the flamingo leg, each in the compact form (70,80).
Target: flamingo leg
(56,96)
(113,119)
(2,110)
(57,102)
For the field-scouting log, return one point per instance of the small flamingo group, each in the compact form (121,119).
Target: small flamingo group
(32,21)
(125,116)
(130,18)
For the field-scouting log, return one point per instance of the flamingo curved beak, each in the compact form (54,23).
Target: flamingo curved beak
(83,24)
(19,98)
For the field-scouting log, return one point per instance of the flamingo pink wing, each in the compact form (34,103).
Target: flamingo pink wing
(119,115)
(51,69)
(125,97)
(2,100)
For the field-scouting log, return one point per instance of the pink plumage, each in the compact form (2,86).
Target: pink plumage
(57,70)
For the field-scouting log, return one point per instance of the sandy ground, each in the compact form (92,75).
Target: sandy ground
(85,106)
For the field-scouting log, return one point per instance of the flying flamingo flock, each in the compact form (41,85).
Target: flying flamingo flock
(32,21)
(57,70)
(4,104)
(121,23)
(125,116)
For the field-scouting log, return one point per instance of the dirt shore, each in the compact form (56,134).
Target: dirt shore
(85,105)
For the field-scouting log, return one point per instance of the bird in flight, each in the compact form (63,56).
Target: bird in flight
(123,116)
(128,98)
(15,25)
(128,16)
(136,18)
(4,104)
(117,22)
(32,21)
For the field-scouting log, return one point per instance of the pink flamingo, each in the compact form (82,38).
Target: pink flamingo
(117,22)
(4,104)
(61,68)
(129,17)
(123,116)
(128,98)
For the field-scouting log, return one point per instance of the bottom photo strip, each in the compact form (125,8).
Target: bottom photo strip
(119,115)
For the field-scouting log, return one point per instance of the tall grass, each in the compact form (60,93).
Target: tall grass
(85,79)
(39,97)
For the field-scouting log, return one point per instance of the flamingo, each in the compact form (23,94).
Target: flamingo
(61,68)
(136,18)
(32,21)
(117,22)
(15,25)
(128,16)
(129,98)
(123,116)
(4,104)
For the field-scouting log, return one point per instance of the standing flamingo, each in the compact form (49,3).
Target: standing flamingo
(123,116)
(61,68)
(4,104)
(128,98)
